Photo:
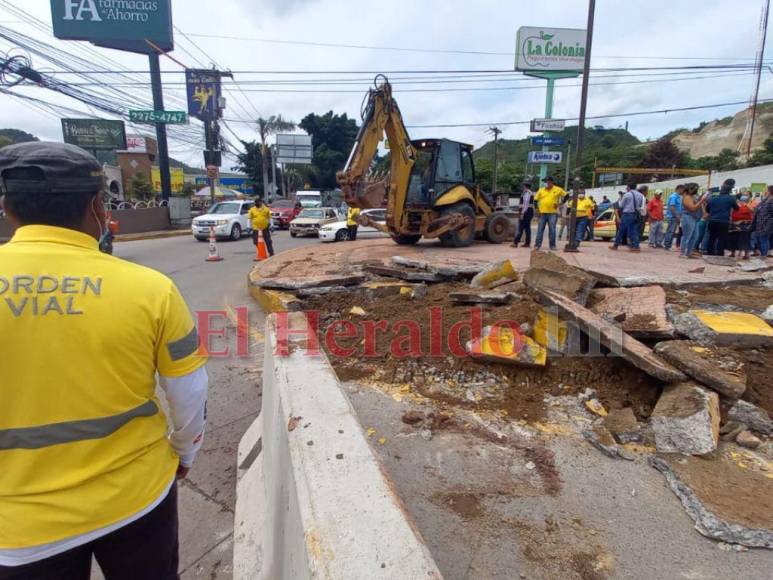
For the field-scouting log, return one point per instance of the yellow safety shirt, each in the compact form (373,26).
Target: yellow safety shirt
(351,216)
(584,207)
(549,199)
(260,217)
(83,439)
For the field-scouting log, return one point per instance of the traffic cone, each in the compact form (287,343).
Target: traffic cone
(261,253)
(214,255)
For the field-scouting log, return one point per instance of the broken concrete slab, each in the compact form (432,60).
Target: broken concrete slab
(686,420)
(547,271)
(322,291)
(767,316)
(752,416)
(448,268)
(643,308)
(724,328)
(311,282)
(495,274)
(615,339)
(706,522)
(482,297)
(375,290)
(550,332)
(408,275)
(706,365)
(501,344)
(755,265)
(720,261)
(607,279)
(623,425)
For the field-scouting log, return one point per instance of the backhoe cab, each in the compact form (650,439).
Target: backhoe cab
(430,191)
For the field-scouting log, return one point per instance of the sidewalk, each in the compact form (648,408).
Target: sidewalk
(152,235)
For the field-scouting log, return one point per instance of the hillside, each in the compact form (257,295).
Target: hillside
(709,139)
(598,141)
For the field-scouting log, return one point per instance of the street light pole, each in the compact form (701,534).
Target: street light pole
(571,244)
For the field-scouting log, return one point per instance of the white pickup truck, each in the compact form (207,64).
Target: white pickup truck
(229,218)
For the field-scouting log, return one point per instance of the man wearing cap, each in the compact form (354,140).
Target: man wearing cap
(548,199)
(719,210)
(88,463)
(655,216)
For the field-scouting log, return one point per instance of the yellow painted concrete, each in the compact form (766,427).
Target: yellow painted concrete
(273,300)
(734,323)
(549,331)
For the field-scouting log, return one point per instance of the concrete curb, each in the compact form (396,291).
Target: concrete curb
(313,500)
(151,235)
(272,300)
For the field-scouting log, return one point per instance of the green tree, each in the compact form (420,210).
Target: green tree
(251,164)
(727,160)
(17,136)
(333,137)
(4,141)
(266,128)
(141,187)
(763,156)
(663,153)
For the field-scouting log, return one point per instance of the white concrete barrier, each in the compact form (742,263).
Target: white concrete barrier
(313,501)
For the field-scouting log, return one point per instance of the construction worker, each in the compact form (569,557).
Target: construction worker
(584,215)
(88,468)
(260,216)
(351,222)
(548,199)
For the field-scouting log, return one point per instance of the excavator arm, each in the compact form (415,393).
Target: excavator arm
(381,116)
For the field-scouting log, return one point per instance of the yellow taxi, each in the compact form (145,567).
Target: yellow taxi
(605,227)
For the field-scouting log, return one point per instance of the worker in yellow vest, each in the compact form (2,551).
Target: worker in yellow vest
(351,222)
(548,200)
(88,463)
(260,217)
(584,215)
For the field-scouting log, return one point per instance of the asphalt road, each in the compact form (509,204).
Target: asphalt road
(208,496)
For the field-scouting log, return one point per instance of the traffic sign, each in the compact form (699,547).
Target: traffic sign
(545,156)
(557,141)
(538,125)
(152,117)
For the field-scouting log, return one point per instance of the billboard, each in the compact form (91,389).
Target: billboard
(176,174)
(203,88)
(549,49)
(241,184)
(119,24)
(294,149)
(93,134)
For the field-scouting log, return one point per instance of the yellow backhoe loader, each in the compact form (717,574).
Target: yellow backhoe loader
(430,190)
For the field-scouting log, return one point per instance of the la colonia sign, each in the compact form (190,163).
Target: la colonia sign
(549,49)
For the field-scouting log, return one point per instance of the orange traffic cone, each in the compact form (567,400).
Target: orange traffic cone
(214,255)
(261,253)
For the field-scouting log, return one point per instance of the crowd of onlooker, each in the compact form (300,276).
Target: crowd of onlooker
(694,222)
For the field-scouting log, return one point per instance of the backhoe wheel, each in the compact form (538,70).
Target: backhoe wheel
(462,237)
(497,227)
(406,239)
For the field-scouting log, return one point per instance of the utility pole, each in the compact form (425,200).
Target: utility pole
(571,245)
(758,71)
(158,105)
(496,131)
(273,170)
(568,156)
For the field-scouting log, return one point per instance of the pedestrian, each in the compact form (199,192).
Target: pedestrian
(89,463)
(632,204)
(527,213)
(260,217)
(548,199)
(584,215)
(351,222)
(618,217)
(604,205)
(740,228)
(644,190)
(692,208)
(563,217)
(762,224)
(591,220)
(719,209)
(673,216)
(655,216)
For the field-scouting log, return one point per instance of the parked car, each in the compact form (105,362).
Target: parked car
(339,232)
(283,212)
(606,225)
(310,220)
(229,218)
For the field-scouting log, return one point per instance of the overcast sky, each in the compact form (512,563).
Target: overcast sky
(721,31)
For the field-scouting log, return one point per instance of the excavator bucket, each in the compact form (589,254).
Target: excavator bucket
(366,193)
